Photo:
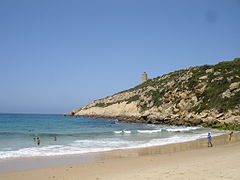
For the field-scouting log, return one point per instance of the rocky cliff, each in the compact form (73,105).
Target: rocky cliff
(207,95)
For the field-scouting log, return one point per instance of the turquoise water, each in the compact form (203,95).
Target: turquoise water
(83,135)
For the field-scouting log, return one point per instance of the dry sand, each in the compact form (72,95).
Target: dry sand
(191,160)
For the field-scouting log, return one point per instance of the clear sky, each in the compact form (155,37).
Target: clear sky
(58,55)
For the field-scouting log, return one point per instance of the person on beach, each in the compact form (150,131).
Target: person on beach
(55,138)
(38,141)
(230,136)
(209,140)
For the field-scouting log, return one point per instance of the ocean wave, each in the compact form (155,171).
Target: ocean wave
(122,132)
(177,129)
(149,131)
(152,129)
(11,133)
(76,147)
(164,129)
(118,132)
(95,145)
(83,135)
(54,134)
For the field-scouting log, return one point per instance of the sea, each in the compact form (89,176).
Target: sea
(60,135)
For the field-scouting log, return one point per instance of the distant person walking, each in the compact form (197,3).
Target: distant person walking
(209,140)
(55,138)
(38,141)
(230,136)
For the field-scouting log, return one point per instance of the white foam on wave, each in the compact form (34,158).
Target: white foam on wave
(118,132)
(149,131)
(85,146)
(122,132)
(177,129)
(162,129)
(76,147)
(99,145)
(49,151)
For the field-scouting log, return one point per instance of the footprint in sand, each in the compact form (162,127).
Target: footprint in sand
(52,177)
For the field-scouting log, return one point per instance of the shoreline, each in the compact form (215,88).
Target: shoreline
(34,163)
(170,148)
(189,162)
(213,123)
(166,141)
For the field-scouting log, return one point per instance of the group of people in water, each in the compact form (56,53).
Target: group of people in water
(209,137)
(38,141)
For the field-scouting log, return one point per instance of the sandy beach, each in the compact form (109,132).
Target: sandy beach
(189,160)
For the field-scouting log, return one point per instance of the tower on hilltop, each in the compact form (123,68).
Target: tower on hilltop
(144,77)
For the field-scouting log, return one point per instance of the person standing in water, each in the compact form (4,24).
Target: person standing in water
(38,141)
(209,140)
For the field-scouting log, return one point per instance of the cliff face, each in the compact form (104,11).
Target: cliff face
(196,95)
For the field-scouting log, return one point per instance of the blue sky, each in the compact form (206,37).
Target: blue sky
(58,55)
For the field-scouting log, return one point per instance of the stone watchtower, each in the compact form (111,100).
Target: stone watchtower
(144,77)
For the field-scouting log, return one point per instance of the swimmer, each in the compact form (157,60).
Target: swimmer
(38,141)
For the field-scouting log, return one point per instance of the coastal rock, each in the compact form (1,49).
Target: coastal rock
(216,73)
(209,70)
(203,77)
(196,122)
(234,86)
(227,94)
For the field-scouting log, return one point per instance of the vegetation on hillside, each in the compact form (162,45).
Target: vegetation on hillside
(217,79)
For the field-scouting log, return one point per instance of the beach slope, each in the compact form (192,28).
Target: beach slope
(219,162)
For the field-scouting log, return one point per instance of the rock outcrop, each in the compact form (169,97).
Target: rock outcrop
(208,94)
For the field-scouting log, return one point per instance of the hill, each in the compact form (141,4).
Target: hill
(207,95)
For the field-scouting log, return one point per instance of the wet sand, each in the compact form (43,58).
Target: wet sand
(189,160)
